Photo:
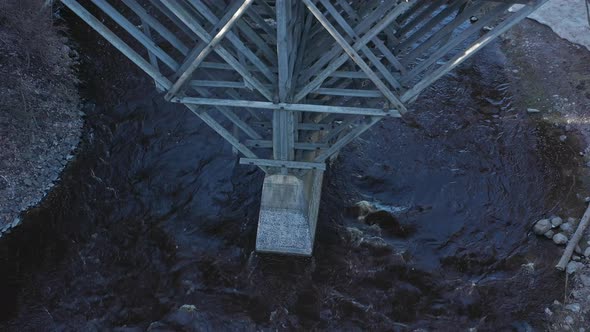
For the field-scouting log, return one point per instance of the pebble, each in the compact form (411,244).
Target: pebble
(533,110)
(549,234)
(542,226)
(587,252)
(548,312)
(578,250)
(573,307)
(572,267)
(556,221)
(566,228)
(587,199)
(562,138)
(569,320)
(559,238)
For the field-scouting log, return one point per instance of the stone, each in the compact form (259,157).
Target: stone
(542,226)
(364,208)
(562,138)
(549,234)
(572,267)
(587,199)
(569,320)
(585,279)
(556,221)
(572,221)
(573,307)
(559,238)
(578,250)
(533,110)
(548,312)
(576,258)
(567,228)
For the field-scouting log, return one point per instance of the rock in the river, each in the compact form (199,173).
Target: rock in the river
(559,238)
(549,234)
(587,252)
(542,226)
(572,267)
(556,221)
(567,228)
(363,208)
(388,222)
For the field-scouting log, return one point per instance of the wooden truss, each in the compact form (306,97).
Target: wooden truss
(290,82)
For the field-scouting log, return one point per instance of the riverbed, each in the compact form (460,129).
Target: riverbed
(154,223)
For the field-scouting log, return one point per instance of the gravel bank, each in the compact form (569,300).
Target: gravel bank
(40,121)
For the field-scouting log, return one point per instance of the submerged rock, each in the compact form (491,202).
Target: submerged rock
(549,234)
(362,208)
(542,226)
(388,222)
(559,238)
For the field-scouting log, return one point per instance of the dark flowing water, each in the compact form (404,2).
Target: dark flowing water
(156,213)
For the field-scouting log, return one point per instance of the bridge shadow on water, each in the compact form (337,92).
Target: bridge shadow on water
(155,214)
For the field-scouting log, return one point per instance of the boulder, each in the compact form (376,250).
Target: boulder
(542,226)
(388,223)
(567,228)
(559,238)
(556,221)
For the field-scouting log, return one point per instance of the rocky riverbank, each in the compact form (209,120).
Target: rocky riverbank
(40,117)
(554,79)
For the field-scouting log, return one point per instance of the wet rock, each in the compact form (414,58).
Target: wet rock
(548,312)
(559,238)
(362,208)
(375,243)
(533,110)
(562,138)
(567,228)
(556,221)
(578,250)
(573,307)
(388,223)
(572,267)
(587,252)
(542,226)
(549,234)
(569,320)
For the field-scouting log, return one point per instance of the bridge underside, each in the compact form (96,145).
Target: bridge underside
(288,83)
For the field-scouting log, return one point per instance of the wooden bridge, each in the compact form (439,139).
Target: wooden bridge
(288,83)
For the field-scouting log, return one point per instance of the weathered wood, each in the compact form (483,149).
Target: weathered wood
(573,242)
